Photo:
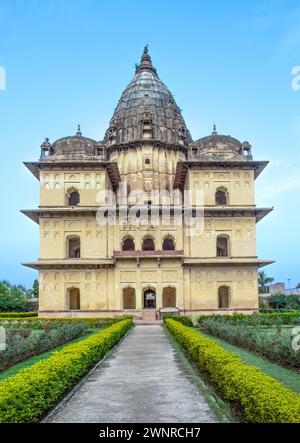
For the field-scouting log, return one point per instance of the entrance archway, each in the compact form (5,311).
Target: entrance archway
(149,299)
(169,298)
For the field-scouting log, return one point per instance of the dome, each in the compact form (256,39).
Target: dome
(74,147)
(147,110)
(216,145)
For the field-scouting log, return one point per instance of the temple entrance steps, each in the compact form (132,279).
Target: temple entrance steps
(139,321)
(149,314)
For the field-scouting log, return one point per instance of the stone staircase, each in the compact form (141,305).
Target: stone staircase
(149,315)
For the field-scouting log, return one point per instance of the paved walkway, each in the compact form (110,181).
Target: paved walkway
(142,382)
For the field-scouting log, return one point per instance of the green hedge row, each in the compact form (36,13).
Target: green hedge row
(261,398)
(39,322)
(285,318)
(18,314)
(29,395)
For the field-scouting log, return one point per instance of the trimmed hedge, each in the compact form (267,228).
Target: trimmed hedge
(18,314)
(268,319)
(261,398)
(22,344)
(274,343)
(29,395)
(39,322)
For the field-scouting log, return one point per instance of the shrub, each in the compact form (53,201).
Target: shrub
(37,323)
(187,321)
(261,398)
(23,344)
(274,344)
(18,314)
(279,301)
(264,319)
(27,396)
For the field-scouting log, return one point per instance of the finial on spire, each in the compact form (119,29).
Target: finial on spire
(214,132)
(146,63)
(78,130)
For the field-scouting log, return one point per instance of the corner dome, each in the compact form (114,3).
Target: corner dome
(218,146)
(147,110)
(74,147)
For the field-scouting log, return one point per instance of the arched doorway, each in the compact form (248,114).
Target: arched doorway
(128,298)
(169,298)
(223,297)
(149,299)
(74,298)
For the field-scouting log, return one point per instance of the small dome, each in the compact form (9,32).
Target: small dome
(74,147)
(216,145)
(147,110)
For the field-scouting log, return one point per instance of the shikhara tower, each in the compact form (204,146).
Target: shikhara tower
(88,269)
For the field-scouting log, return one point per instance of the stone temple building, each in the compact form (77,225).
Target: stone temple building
(88,267)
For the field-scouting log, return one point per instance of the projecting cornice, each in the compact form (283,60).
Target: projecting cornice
(226,261)
(213,211)
(77,263)
(183,167)
(76,165)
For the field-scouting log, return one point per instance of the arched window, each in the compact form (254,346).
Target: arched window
(222,246)
(221,196)
(74,299)
(128,298)
(168,243)
(223,297)
(73,197)
(148,244)
(147,161)
(73,247)
(128,244)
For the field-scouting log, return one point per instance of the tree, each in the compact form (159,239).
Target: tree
(12,297)
(34,292)
(263,281)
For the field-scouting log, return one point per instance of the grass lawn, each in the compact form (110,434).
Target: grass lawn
(10,372)
(286,376)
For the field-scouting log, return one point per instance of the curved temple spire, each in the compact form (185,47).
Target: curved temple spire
(146,62)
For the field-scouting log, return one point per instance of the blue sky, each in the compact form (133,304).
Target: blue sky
(226,62)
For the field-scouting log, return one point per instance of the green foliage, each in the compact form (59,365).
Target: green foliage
(38,323)
(282,301)
(260,319)
(26,397)
(12,297)
(187,321)
(35,289)
(23,344)
(263,281)
(12,315)
(261,398)
(15,297)
(274,343)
